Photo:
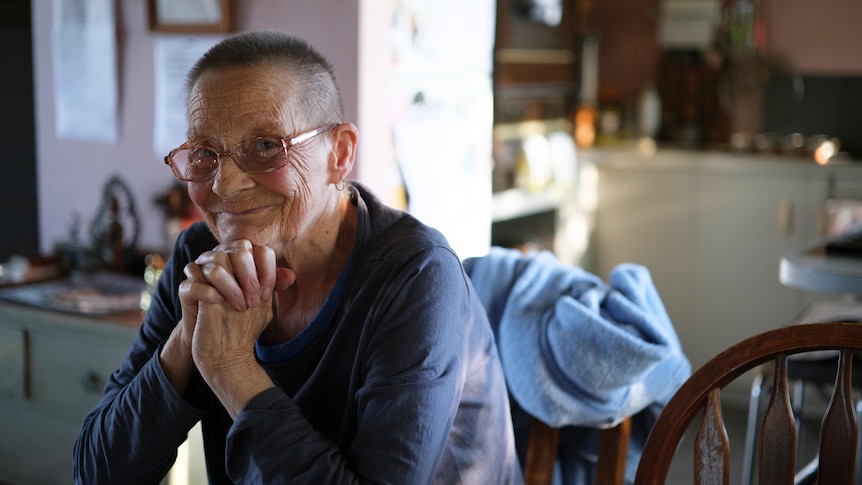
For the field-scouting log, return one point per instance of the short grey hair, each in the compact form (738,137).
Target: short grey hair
(318,98)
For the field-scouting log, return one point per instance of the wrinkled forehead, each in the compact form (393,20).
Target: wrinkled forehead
(243,98)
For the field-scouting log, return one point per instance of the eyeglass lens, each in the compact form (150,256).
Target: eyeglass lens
(257,155)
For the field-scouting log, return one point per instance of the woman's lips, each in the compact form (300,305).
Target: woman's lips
(240,213)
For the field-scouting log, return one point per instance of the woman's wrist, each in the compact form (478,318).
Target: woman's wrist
(237,383)
(176,360)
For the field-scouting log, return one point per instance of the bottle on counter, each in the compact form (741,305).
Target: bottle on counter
(649,111)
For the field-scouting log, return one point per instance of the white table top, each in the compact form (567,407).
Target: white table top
(813,269)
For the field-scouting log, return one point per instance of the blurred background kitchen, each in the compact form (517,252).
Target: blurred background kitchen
(702,138)
(732,74)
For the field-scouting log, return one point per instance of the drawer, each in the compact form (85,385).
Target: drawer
(35,449)
(68,372)
(11,363)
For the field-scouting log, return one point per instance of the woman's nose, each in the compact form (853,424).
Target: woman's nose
(229,177)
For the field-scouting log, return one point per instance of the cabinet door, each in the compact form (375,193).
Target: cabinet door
(746,221)
(68,372)
(35,449)
(645,216)
(11,363)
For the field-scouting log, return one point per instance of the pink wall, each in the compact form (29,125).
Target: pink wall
(628,44)
(819,37)
(71,173)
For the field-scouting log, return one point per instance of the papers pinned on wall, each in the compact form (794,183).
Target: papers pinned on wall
(173,57)
(84,48)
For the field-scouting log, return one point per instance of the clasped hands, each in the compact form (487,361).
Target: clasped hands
(227,302)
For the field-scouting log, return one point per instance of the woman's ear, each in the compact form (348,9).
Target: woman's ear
(343,154)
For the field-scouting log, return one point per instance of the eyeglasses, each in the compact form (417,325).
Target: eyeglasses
(261,154)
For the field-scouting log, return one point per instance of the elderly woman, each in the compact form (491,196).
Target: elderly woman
(320,336)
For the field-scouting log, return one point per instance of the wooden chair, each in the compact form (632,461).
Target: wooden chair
(700,394)
(542,452)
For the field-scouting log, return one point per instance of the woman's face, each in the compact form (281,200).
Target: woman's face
(272,209)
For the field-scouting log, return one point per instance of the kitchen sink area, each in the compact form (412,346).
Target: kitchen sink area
(99,293)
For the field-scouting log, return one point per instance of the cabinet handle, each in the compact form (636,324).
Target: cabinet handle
(25,378)
(92,382)
(785,217)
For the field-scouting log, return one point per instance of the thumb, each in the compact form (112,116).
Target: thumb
(284,278)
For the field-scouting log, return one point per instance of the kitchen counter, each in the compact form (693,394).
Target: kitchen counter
(813,268)
(668,157)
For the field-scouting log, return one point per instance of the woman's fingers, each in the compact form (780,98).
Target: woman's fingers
(232,269)
(242,254)
(264,259)
(284,278)
(196,288)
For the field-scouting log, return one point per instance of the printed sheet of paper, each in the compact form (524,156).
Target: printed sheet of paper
(173,57)
(84,47)
(187,12)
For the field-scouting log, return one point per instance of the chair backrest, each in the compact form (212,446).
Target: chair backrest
(700,393)
(542,452)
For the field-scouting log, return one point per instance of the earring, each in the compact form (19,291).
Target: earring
(340,185)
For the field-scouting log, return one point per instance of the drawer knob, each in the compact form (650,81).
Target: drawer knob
(92,382)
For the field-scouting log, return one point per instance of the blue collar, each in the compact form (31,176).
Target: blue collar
(281,353)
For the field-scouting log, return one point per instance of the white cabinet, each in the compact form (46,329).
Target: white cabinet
(11,363)
(712,227)
(54,367)
(745,221)
(644,216)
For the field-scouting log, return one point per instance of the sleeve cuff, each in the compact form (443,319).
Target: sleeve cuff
(270,399)
(178,405)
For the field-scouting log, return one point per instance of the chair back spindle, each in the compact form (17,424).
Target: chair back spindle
(712,455)
(613,450)
(542,453)
(839,428)
(778,441)
(836,461)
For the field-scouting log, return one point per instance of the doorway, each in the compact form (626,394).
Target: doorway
(19,222)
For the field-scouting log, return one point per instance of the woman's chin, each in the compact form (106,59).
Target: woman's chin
(258,235)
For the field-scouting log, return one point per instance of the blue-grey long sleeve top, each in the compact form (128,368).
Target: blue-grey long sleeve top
(398,382)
